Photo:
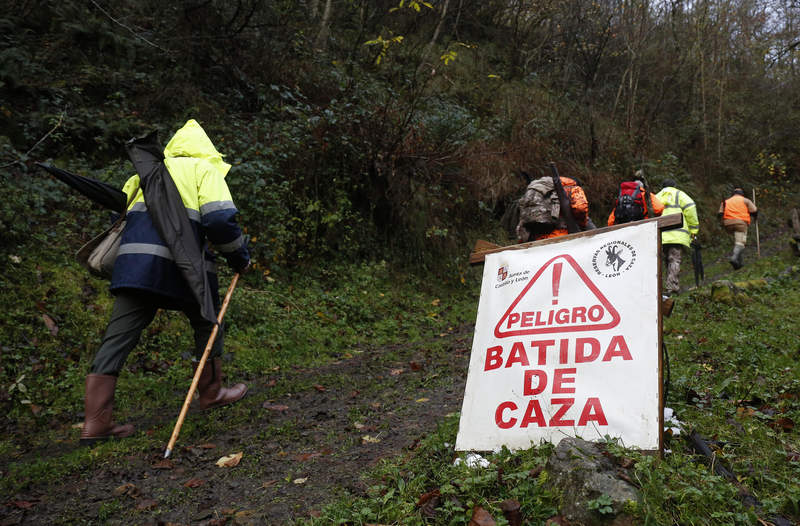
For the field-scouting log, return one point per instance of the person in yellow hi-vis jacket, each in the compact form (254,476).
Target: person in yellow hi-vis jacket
(149,272)
(673,241)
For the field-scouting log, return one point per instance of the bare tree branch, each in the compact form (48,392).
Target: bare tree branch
(134,33)
(45,136)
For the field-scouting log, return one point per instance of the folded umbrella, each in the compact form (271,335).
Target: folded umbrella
(101,193)
(697,263)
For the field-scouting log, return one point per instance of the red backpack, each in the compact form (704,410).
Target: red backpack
(630,205)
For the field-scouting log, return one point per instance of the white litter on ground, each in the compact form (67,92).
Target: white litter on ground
(472,460)
(671,423)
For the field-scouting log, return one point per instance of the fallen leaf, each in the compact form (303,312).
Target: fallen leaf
(745,411)
(300,480)
(22,504)
(230,461)
(359,425)
(481,517)
(366,439)
(163,464)
(79,425)
(269,483)
(511,511)
(435,302)
(51,324)
(146,504)
(126,489)
(319,388)
(428,503)
(207,446)
(275,407)
(422,400)
(783,423)
(307,456)
(395,372)
(194,483)
(244,517)
(415,366)
(425,497)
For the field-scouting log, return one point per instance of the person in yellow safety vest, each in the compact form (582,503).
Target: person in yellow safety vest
(672,241)
(146,278)
(736,212)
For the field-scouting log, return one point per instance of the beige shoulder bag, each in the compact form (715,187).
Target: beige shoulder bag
(99,254)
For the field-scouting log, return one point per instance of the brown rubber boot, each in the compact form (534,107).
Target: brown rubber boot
(99,401)
(209,386)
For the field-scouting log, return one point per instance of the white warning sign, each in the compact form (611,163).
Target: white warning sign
(566,344)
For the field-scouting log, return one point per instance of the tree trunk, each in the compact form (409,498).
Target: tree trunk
(321,42)
(435,37)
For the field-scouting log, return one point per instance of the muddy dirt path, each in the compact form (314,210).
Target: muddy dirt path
(300,451)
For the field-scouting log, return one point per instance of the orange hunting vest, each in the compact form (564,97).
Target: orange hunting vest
(736,208)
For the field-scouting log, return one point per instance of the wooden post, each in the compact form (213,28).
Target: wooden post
(794,222)
(758,240)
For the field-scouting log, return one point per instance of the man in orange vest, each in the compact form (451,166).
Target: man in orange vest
(736,212)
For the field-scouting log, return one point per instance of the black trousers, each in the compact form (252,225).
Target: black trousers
(133,311)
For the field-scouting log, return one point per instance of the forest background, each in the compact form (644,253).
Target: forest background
(397,129)
(372,142)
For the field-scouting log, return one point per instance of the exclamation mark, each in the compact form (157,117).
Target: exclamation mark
(556,281)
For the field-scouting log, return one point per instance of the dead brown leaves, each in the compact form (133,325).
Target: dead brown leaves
(230,461)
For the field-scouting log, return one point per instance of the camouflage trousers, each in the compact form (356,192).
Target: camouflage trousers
(672,260)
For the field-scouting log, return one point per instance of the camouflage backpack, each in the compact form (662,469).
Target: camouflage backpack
(539,209)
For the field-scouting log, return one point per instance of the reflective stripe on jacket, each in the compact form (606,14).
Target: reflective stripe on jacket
(144,261)
(736,207)
(677,201)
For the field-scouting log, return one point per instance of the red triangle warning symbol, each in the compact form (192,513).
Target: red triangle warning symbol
(558,298)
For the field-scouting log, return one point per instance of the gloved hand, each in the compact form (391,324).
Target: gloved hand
(244,270)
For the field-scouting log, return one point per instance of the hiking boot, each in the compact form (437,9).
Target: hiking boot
(209,387)
(736,257)
(667,304)
(99,402)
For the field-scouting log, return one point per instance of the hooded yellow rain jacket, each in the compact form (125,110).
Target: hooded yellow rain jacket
(144,261)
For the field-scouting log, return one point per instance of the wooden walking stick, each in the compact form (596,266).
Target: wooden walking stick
(200,366)
(758,240)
